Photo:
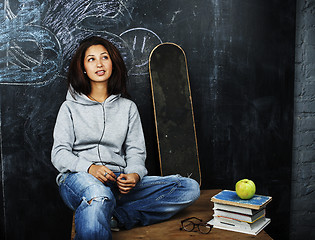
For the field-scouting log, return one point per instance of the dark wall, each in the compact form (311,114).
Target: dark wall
(303,170)
(241,66)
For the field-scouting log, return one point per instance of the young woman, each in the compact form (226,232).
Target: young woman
(99,150)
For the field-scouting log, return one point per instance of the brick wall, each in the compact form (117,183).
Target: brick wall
(303,165)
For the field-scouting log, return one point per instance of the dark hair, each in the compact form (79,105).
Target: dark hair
(80,82)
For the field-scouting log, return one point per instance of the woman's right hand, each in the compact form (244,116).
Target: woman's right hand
(102,173)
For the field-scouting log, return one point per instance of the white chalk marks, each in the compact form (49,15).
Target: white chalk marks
(142,41)
(38,38)
(30,54)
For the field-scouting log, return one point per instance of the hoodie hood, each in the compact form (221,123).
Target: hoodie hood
(84,100)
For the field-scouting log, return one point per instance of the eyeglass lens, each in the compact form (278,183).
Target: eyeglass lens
(204,228)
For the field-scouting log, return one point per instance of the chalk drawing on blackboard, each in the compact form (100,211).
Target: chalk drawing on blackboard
(72,21)
(142,41)
(21,58)
(2,175)
(32,56)
(8,11)
(101,16)
(29,54)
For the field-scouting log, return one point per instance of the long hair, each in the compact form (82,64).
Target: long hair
(80,82)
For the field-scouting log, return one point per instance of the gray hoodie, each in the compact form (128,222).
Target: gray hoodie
(108,133)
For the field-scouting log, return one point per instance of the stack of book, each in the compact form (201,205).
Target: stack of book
(234,214)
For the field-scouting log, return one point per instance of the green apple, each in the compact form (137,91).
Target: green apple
(245,188)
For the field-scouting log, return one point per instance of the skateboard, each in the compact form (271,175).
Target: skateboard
(173,112)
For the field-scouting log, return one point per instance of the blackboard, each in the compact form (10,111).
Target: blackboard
(241,64)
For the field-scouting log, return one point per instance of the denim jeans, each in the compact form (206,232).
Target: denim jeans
(153,200)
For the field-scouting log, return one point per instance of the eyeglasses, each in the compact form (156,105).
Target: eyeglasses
(191,223)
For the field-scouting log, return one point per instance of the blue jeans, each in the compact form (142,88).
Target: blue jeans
(153,200)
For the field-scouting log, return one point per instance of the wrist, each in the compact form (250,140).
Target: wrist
(88,170)
(137,176)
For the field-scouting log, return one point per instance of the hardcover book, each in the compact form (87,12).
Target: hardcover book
(240,216)
(230,198)
(243,210)
(242,227)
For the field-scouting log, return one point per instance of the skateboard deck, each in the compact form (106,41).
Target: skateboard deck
(173,112)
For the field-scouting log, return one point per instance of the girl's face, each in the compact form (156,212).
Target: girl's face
(97,63)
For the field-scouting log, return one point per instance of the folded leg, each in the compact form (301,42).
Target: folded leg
(93,203)
(155,199)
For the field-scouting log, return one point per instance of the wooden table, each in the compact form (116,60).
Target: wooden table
(202,208)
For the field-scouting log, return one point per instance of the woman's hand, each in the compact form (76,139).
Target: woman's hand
(126,182)
(102,173)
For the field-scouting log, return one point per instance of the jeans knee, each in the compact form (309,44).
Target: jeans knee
(97,198)
(90,208)
(192,188)
(95,192)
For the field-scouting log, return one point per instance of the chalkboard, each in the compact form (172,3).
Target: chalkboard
(241,65)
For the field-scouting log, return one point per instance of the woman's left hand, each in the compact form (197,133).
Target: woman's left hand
(126,182)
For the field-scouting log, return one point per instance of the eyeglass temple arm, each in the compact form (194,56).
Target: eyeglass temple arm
(190,219)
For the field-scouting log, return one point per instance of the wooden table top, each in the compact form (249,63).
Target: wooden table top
(202,208)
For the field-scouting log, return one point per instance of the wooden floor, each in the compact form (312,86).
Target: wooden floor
(202,208)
